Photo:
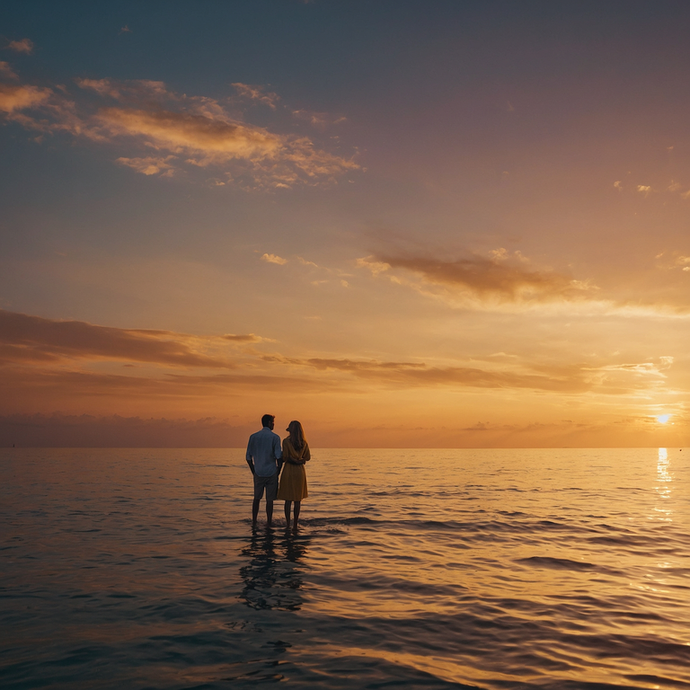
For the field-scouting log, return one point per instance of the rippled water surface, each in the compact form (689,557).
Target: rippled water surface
(416,569)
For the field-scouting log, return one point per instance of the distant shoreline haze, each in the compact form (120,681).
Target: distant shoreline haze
(87,431)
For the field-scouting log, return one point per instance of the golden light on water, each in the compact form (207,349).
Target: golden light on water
(662,510)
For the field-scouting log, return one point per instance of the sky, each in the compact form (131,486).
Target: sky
(404,223)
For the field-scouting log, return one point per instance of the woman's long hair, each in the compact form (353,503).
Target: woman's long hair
(296,435)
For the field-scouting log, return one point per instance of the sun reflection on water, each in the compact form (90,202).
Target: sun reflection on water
(663,487)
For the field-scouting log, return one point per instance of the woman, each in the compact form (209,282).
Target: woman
(293,479)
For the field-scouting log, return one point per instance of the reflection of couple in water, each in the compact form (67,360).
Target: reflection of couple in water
(266,458)
(273,578)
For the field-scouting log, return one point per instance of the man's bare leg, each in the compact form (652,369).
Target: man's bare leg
(269,513)
(298,505)
(255,511)
(288,505)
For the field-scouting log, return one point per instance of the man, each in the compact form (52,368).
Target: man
(264,458)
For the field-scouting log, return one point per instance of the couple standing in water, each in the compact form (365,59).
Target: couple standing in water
(265,458)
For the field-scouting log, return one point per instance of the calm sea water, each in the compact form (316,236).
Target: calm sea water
(413,569)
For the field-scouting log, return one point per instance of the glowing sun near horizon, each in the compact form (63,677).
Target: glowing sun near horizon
(663,418)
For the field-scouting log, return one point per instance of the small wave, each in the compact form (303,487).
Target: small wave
(658,681)
(557,563)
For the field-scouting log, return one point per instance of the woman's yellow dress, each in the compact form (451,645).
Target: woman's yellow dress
(293,478)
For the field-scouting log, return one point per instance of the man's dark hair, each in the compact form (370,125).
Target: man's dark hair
(267,419)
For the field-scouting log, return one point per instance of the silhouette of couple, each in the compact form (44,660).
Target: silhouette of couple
(266,458)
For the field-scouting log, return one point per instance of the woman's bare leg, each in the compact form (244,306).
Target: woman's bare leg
(288,505)
(297,507)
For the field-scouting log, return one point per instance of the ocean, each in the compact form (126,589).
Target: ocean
(132,569)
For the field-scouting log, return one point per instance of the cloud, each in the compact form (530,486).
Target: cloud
(249,338)
(49,111)
(414,374)
(637,368)
(203,133)
(305,262)
(188,132)
(370,263)
(644,189)
(320,120)
(132,90)
(52,364)
(672,260)
(274,259)
(27,339)
(14,98)
(25,45)
(115,431)
(419,374)
(499,277)
(85,383)
(103,87)
(257,93)
(150,165)
(6,71)
(196,135)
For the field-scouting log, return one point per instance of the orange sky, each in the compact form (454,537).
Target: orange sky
(406,227)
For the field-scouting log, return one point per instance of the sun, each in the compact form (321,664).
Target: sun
(663,418)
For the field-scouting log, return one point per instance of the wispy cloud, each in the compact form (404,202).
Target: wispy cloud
(70,362)
(133,91)
(306,262)
(274,259)
(150,165)
(673,260)
(498,277)
(6,71)
(613,379)
(258,94)
(319,120)
(416,375)
(187,132)
(25,338)
(25,45)
(14,98)
(211,141)
(248,338)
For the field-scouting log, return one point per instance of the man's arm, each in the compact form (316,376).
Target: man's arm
(277,451)
(249,456)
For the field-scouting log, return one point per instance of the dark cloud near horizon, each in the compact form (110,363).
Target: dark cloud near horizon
(25,338)
(35,353)
(25,385)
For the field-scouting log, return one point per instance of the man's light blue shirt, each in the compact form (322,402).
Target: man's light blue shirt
(264,449)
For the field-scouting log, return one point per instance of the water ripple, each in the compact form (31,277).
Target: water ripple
(472,569)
